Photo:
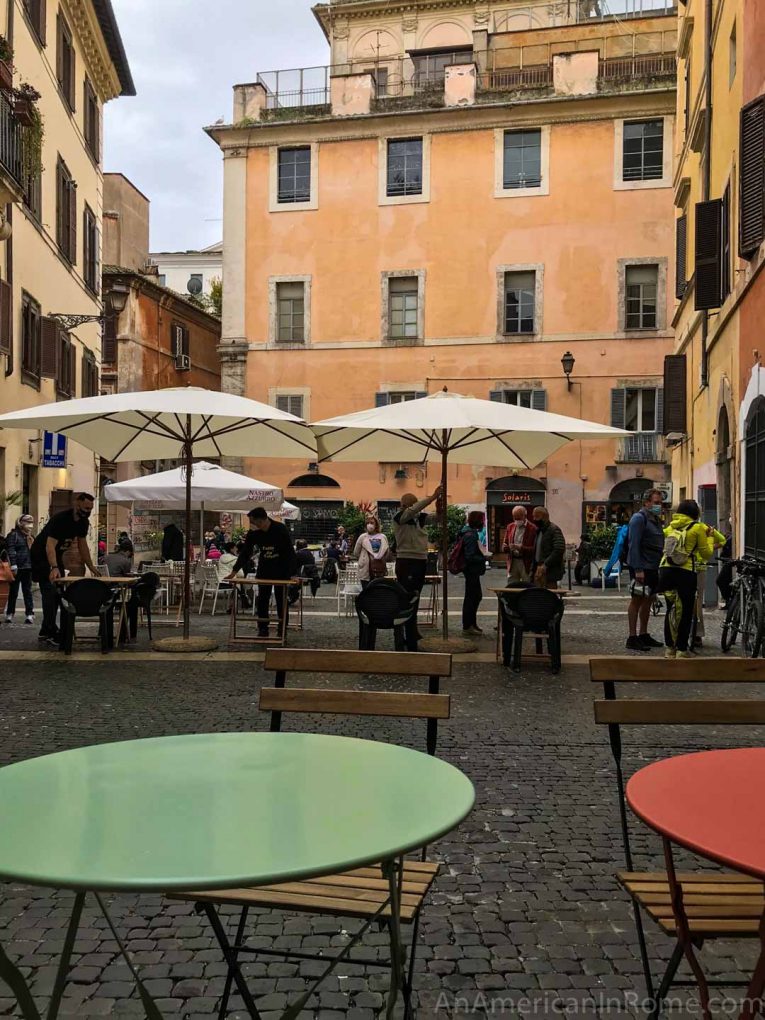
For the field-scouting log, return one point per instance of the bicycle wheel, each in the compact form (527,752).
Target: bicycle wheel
(732,625)
(754,627)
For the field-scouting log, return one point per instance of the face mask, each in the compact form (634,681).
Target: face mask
(371,529)
(655,509)
(85,513)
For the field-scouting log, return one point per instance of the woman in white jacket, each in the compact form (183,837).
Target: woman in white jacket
(371,550)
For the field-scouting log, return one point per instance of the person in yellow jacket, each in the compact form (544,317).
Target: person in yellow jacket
(686,545)
(716,540)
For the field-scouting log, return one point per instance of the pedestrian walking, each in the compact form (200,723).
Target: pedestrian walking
(371,551)
(520,539)
(62,532)
(549,550)
(475,567)
(685,543)
(645,547)
(412,553)
(276,562)
(19,549)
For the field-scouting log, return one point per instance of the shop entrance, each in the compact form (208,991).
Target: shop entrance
(623,501)
(502,494)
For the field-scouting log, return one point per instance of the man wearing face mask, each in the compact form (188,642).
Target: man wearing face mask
(61,532)
(19,544)
(549,550)
(645,546)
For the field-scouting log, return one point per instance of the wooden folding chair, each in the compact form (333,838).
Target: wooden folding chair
(363,892)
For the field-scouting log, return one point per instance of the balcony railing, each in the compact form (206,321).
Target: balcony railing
(534,77)
(11,142)
(296,88)
(556,13)
(641,448)
(649,65)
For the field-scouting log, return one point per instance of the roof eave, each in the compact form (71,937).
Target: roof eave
(111,33)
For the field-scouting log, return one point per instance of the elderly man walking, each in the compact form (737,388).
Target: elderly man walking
(520,539)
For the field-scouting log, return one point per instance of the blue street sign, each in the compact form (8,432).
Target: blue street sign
(54,450)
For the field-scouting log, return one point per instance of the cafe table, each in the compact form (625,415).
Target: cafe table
(123,584)
(710,803)
(282,620)
(216,811)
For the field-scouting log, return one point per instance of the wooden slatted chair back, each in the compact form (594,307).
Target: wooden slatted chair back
(432,706)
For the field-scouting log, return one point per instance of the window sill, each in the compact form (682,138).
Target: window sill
(28,379)
(403,341)
(516,337)
(541,190)
(287,345)
(656,182)
(418,199)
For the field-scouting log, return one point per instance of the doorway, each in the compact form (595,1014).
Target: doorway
(29,490)
(502,494)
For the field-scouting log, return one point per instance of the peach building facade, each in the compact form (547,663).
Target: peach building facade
(490,193)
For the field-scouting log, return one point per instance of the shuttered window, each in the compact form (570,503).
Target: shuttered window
(6,317)
(290,313)
(181,349)
(398,397)
(637,409)
(65,61)
(109,349)
(31,325)
(66,212)
(66,366)
(675,413)
(50,349)
(90,120)
(91,251)
(725,244)
(752,178)
(681,255)
(33,193)
(89,384)
(708,260)
(535,399)
(37,14)
(291,403)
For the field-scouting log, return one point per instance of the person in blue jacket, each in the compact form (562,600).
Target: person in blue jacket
(617,553)
(645,546)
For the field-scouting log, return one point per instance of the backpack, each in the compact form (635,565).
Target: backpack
(456,561)
(674,546)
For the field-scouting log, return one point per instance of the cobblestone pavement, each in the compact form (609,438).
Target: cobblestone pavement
(525,909)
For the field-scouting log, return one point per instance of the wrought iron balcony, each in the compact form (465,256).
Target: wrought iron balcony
(641,448)
(11,144)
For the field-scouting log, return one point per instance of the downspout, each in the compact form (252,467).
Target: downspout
(706,167)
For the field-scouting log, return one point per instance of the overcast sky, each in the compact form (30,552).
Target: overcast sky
(185,56)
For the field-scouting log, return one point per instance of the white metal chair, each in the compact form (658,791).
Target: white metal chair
(348,587)
(391,569)
(213,586)
(616,572)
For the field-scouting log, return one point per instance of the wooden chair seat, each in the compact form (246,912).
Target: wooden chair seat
(717,904)
(356,893)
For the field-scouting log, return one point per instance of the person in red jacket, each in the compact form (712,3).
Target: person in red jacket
(519,542)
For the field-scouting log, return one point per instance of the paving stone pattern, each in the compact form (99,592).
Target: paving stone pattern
(525,915)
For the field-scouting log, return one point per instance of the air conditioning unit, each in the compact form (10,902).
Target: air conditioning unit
(182,363)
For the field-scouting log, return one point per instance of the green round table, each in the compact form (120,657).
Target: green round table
(218,810)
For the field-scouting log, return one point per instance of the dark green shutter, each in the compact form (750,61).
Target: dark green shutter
(618,409)
(419,394)
(539,400)
(681,256)
(50,348)
(381,399)
(675,416)
(498,396)
(660,411)
(708,261)
(752,178)
(6,317)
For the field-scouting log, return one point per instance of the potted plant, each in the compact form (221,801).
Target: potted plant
(6,65)
(602,540)
(25,98)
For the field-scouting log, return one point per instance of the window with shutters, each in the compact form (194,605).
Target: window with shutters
(687,89)
(522,162)
(404,167)
(643,150)
(402,396)
(31,340)
(66,360)
(65,61)
(640,295)
(681,255)
(752,178)
(403,308)
(674,417)
(520,299)
(708,258)
(91,120)
(535,399)
(33,194)
(754,481)
(294,184)
(638,410)
(36,11)
(725,244)
(109,346)
(290,313)
(292,403)
(732,56)
(66,212)
(6,318)
(89,383)
(181,349)
(91,251)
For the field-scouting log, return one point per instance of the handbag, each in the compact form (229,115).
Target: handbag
(6,574)
(377,568)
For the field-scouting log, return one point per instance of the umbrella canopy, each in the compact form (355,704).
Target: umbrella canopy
(451,428)
(484,433)
(212,488)
(183,422)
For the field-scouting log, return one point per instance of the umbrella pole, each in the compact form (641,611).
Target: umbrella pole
(444,537)
(187,451)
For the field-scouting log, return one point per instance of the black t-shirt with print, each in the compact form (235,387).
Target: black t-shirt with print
(65,528)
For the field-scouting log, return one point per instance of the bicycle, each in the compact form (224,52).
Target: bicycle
(746,608)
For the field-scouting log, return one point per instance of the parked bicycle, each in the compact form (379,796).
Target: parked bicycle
(746,608)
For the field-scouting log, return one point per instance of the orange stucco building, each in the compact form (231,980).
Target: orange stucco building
(472,191)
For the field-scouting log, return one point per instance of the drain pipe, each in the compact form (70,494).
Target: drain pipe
(706,167)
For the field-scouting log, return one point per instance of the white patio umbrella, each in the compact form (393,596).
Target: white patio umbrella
(450,428)
(182,422)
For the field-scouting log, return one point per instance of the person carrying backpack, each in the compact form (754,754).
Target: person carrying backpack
(645,548)
(686,545)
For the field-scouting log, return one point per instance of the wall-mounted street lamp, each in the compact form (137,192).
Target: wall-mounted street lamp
(115,302)
(568,362)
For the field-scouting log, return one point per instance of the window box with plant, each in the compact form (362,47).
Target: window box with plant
(6,65)
(25,99)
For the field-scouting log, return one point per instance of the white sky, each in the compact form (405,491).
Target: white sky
(185,56)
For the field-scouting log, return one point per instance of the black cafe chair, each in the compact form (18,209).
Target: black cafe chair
(87,599)
(384,604)
(534,611)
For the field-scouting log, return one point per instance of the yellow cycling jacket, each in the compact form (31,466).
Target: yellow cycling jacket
(697,543)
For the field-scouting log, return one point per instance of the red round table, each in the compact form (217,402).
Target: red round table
(712,804)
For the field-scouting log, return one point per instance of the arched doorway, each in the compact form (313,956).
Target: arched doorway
(318,517)
(626,498)
(502,494)
(754,480)
(724,469)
